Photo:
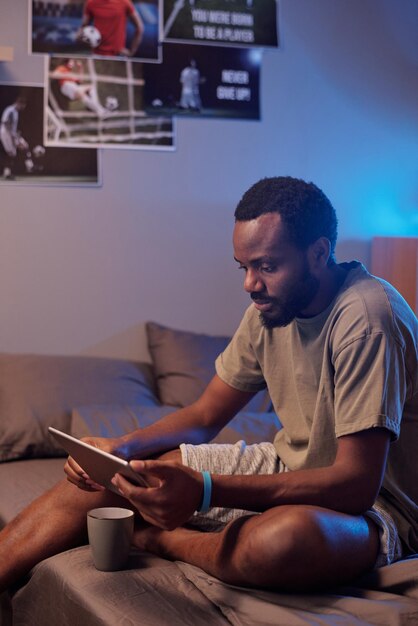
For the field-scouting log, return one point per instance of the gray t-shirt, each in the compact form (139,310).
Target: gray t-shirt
(348,369)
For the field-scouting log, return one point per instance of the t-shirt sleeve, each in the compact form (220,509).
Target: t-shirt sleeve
(370,385)
(238,365)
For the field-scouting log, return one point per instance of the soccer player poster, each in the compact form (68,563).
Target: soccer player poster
(110,28)
(221,22)
(204,81)
(94,102)
(24,159)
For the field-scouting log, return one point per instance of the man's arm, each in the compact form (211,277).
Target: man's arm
(349,485)
(137,37)
(85,21)
(197,423)
(8,122)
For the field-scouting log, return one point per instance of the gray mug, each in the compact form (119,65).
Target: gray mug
(110,530)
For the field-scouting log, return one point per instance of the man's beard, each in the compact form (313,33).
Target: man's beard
(290,305)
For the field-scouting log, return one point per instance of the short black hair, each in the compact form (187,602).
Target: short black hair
(304,208)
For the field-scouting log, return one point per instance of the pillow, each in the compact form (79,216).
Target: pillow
(184,363)
(40,391)
(113,421)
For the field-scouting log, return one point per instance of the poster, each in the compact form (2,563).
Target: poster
(221,22)
(100,102)
(55,27)
(204,81)
(24,159)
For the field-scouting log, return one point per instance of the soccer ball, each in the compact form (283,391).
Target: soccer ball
(29,165)
(91,36)
(112,103)
(38,152)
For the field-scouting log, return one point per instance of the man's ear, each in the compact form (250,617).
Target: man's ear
(319,252)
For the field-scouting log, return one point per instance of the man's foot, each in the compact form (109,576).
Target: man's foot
(103,113)
(166,543)
(7,174)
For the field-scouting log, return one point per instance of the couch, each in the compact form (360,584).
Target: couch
(107,397)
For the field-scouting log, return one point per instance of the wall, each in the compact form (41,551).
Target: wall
(82,269)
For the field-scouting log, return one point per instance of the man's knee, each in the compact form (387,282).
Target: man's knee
(294,546)
(261,543)
(277,538)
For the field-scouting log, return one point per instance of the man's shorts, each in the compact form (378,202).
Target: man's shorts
(261,458)
(70,89)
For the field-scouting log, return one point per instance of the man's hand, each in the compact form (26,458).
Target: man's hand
(175,496)
(76,474)
(21,144)
(125,52)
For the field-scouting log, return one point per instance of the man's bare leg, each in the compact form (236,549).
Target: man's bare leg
(285,548)
(54,522)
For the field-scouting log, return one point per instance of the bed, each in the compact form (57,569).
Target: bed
(106,397)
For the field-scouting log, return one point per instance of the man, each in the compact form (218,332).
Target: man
(190,87)
(69,75)
(110,18)
(10,137)
(336,494)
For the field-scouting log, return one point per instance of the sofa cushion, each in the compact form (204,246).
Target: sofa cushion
(40,391)
(114,421)
(184,363)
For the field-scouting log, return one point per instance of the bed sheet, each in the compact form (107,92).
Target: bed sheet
(156,592)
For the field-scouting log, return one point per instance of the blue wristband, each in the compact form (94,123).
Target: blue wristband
(207,492)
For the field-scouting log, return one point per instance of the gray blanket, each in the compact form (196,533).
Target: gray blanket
(68,590)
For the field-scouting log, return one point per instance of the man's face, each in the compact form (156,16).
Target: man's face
(277,274)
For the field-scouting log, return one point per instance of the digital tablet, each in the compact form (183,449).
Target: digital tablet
(101,466)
